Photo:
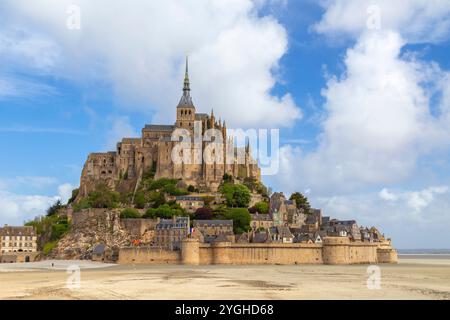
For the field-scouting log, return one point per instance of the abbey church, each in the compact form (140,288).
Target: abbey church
(153,152)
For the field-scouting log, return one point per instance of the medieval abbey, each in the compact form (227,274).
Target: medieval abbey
(153,151)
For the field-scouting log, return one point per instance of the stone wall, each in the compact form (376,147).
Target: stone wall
(19,257)
(147,255)
(137,227)
(334,250)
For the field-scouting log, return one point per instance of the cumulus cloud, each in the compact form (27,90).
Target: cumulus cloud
(416,20)
(416,200)
(379,120)
(139,50)
(65,192)
(385,194)
(411,213)
(17,207)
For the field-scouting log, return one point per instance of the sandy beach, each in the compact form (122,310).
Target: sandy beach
(415,277)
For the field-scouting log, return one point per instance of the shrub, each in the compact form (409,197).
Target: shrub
(139,200)
(165,211)
(161,183)
(130,213)
(103,197)
(82,204)
(59,229)
(157,199)
(203,214)
(208,200)
(191,188)
(48,247)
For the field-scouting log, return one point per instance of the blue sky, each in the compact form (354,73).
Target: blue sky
(363,113)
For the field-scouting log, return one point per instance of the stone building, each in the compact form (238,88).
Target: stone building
(284,212)
(190,203)
(17,239)
(212,229)
(281,234)
(152,152)
(261,221)
(170,232)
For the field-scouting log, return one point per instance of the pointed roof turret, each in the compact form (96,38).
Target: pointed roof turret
(186,100)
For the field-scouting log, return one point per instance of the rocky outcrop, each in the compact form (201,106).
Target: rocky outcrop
(88,229)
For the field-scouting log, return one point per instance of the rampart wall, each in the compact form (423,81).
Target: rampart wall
(334,250)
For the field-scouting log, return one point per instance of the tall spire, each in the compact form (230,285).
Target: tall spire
(187,86)
(186,100)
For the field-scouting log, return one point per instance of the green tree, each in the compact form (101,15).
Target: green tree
(140,200)
(203,214)
(227,178)
(236,195)
(301,202)
(74,196)
(53,210)
(262,207)
(165,211)
(130,213)
(157,199)
(241,219)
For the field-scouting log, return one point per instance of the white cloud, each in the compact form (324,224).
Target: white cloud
(139,49)
(385,194)
(16,208)
(120,128)
(416,219)
(65,192)
(379,120)
(415,20)
(416,200)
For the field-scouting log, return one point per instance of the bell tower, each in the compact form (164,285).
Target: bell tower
(186,108)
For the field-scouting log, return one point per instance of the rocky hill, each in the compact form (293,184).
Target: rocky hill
(89,229)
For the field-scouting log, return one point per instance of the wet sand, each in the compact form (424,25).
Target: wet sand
(412,278)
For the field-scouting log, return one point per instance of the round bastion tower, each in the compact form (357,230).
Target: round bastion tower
(190,251)
(336,250)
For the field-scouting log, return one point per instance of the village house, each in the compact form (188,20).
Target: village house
(18,239)
(170,232)
(212,229)
(190,203)
(261,221)
(281,234)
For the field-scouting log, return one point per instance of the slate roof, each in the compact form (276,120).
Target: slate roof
(17,231)
(213,222)
(188,198)
(99,249)
(261,217)
(159,127)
